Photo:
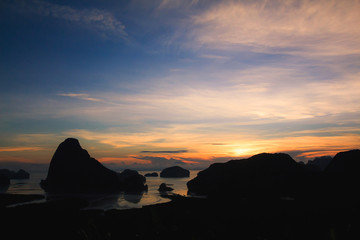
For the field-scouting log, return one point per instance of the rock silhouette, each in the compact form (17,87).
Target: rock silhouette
(153,174)
(345,163)
(72,170)
(174,172)
(4,180)
(21,174)
(342,178)
(320,162)
(263,174)
(164,188)
(132,181)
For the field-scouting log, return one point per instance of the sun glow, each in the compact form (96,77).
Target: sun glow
(241,151)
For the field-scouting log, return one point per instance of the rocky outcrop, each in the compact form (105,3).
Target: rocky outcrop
(174,172)
(21,174)
(132,181)
(165,188)
(72,170)
(263,174)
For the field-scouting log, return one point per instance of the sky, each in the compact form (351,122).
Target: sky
(156,83)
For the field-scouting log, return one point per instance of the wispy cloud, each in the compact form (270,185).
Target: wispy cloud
(214,57)
(166,4)
(175,151)
(19,149)
(253,95)
(295,27)
(82,96)
(124,161)
(100,21)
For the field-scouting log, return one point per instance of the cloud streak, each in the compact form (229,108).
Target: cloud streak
(19,149)
(100,21)
(82,96)
(177,151)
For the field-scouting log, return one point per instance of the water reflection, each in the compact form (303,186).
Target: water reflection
(134,197)
(122,200)
(105,201)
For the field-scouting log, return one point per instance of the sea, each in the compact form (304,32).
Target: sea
(107,201)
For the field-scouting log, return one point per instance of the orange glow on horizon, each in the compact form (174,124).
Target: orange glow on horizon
(189,148)
(125,161)
(19,149)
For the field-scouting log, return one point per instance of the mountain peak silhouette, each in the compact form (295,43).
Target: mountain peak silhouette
(72,170)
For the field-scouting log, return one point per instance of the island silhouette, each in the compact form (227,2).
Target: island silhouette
(72,170)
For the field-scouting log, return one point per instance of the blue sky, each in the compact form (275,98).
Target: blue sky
(154,83)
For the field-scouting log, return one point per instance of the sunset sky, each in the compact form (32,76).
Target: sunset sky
(179,82)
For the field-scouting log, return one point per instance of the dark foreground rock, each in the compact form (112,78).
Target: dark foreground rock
(174,172)
(185,218)
(21,174)
(72,170)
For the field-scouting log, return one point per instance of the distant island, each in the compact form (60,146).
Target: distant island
(6,175)
(174,172)
(20,174)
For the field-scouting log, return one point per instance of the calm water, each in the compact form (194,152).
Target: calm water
(113,201)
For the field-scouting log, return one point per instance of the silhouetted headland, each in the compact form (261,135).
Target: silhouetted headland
(342,176)
(72,170)
(278,176)
(263,174)
(174,172)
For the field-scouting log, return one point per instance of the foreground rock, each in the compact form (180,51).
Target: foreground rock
(21,174)
(72,170)
(263,174)
(175,172)
(184,218)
